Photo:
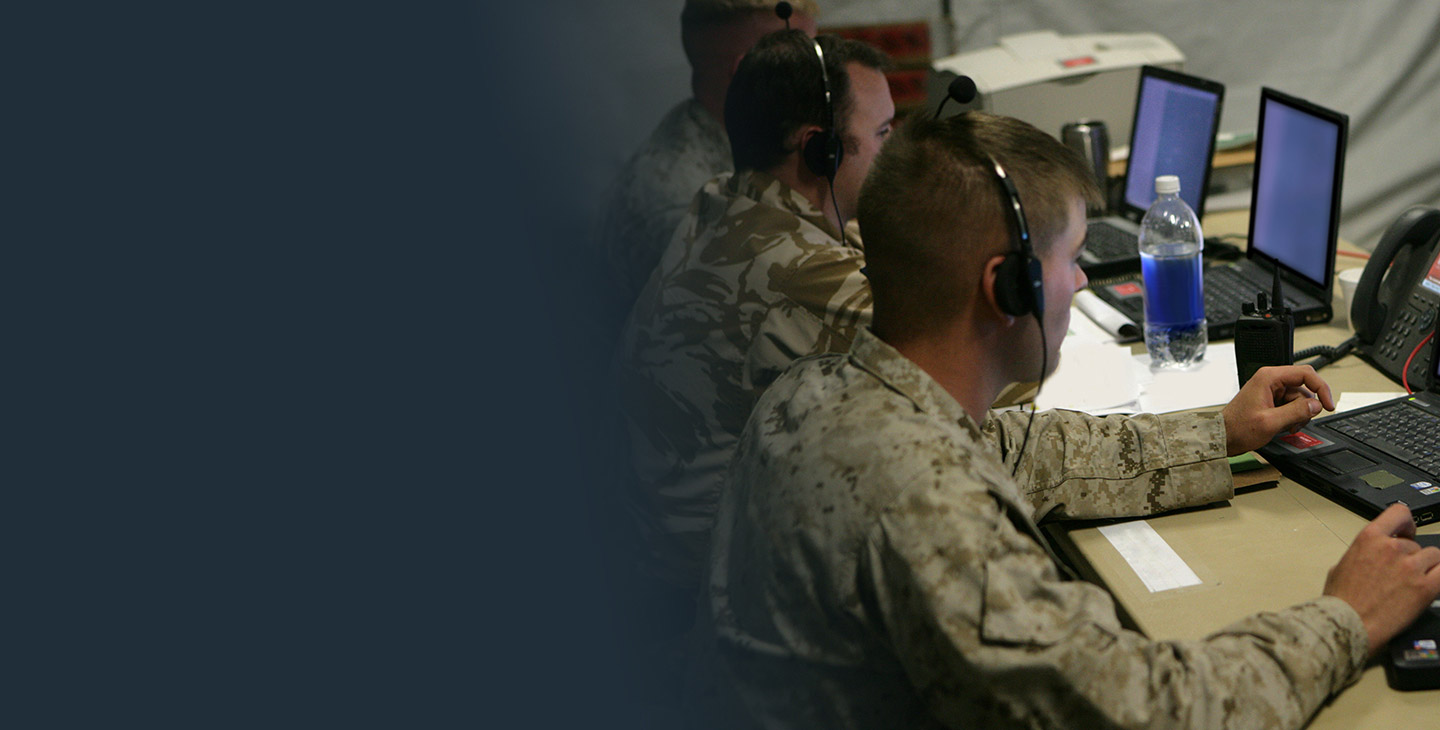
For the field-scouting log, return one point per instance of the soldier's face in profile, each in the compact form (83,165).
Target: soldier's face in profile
(871,115)
(1063,278)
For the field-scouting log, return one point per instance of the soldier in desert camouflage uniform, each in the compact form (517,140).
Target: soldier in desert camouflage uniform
(758,275)
(689,147)
(876,565)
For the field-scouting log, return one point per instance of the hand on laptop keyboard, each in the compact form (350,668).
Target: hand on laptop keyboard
(1386,576)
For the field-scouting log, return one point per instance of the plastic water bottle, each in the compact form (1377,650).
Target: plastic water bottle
(1170,249)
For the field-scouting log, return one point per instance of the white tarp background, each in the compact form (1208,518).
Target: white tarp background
(1377,61)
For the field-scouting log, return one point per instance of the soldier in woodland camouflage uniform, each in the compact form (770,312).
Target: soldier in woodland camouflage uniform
(758,275)
(689,147)
(876,565)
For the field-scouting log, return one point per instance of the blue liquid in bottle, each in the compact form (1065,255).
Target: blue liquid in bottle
(1175,329)
(1171,244)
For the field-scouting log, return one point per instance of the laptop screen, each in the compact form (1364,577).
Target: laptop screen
(1295,205)
(1176,117)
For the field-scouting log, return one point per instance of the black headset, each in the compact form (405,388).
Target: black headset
(1020,288)
(1019,281)
(823,150)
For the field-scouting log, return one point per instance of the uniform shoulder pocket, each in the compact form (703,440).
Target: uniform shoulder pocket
(1026,602)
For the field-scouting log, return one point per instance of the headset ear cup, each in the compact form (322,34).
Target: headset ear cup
(1036,281)
(1008,294)
(822,154)
(814,154)
(1019,285)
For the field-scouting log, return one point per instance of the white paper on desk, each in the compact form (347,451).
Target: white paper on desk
(1351,401)
(1153,560)
(1084,329)
(1092,376)
(1210,382)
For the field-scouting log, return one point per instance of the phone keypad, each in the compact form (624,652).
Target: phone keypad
(1417,317)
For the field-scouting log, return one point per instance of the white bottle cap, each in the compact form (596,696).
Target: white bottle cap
(1167,184)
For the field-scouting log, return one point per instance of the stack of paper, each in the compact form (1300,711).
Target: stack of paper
(1103,378)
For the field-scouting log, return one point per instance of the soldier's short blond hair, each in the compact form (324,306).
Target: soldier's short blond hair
(932,210)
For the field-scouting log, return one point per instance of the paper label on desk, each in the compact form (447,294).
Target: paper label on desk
(1152,559)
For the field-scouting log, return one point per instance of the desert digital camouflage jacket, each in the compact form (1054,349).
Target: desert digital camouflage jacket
(755,278)
(650,196)
(875,566)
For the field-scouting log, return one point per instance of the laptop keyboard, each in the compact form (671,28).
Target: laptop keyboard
(1226,290)
(1107,243)
(1403,431)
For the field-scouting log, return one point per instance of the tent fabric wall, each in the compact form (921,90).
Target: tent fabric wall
(1378,62)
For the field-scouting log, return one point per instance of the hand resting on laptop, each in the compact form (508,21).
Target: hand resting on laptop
(1275,399)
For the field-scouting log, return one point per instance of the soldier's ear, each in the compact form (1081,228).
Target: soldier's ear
(802,137)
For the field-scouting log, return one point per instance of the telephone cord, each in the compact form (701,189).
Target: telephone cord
(1405,371)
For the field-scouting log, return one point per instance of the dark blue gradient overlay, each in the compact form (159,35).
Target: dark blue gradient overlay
(303,371)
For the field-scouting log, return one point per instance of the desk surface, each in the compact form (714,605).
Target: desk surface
(1264,550)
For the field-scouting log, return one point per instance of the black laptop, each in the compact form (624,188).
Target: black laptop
(1372,457)
(1294,221)
(1176,118)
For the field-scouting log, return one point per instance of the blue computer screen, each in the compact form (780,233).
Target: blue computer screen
(1174,128)
(1294,188)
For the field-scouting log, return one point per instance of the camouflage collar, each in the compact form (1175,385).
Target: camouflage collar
(702,119)
(767,190)
(874,356)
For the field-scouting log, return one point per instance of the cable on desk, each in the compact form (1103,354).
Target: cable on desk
(1405,371)
(1324,354)
(1217,249)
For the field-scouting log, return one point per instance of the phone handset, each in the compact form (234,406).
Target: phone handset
(1401,245)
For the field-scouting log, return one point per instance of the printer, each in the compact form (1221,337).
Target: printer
(1050,80)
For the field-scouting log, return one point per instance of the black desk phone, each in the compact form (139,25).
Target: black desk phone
(1398,296)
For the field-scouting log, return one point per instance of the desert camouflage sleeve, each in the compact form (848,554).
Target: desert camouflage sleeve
(991,636)
(825,301)
(1081,466)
